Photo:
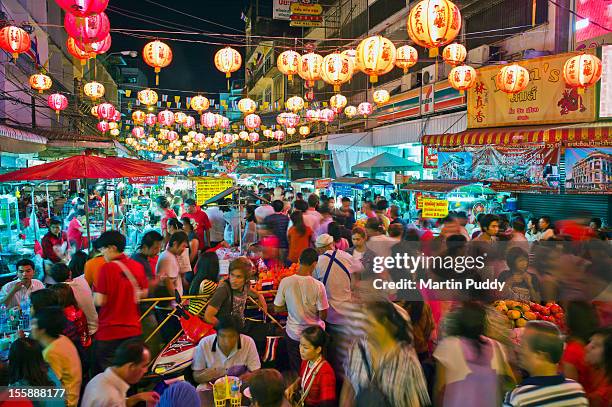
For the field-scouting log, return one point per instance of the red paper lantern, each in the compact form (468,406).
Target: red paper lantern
(138,132)
(252,121)
(40,82)
(117,116)
(582,71)
(96,47)
(365,109)
(327,116)
(92,28)
(82,8)
(150,119)
(57,102)
(227,138)
(106,111)
(462,77)
(165,118)
(14,40)
(103,126)
(158,55)
(512,78)
(77,52)
(138,116)
(434,23)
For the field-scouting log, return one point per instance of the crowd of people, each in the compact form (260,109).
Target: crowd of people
(346,344)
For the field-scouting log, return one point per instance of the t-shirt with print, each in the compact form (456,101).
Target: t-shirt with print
(168,267)
(229,302)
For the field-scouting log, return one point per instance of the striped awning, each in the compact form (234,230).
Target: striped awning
(598,133)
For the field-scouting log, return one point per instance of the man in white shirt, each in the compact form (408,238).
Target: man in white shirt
(168,268)
(82,293)
(378,241)
(305,300)
(110,388)
(226,353)
(16,291)
(264,210)
(215,215)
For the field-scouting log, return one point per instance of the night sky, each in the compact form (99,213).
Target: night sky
(192,67)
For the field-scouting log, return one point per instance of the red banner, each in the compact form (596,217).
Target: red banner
(430,157)
(322,183)
(153,180)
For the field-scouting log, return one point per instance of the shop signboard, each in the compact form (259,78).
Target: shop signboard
(306,9)
(434,208)
(151,180)
(281,9)
(546,100)
(309,22)
(322,183)
(534,165)
(605,94)
(343,190)
(427,99)
(207,187)
(588,169)
(430,157)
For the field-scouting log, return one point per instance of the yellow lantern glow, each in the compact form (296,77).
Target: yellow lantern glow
(454,54)
(350,111)
(147,97)
(228,60)
(114,132)
(375,56)
(337,102)
(288,63)
(310,68)
(268,133)
(512,79)
(247,106)
(582,71)
(381,97)
(94,90)
(199,103)
(406,57)
(295,103)
(40,82)
(243,135)
(113,125)
(337,69)
(291,131)
(304,130)
(94,111)
(434,23)
(180,117)
(138,116)
(462,77)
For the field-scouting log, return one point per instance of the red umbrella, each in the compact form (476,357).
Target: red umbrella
(88,167)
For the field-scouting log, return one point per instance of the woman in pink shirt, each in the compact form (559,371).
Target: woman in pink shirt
(75,231)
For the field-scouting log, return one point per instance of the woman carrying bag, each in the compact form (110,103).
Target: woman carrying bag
(316,385)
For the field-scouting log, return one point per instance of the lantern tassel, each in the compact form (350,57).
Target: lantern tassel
(581,91)
(373,78)
(156,79)
(433,52)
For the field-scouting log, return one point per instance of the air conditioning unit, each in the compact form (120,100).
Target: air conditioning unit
(432,74)
(409,81)
(479,55)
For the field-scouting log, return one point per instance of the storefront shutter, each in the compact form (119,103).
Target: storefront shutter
(567,206)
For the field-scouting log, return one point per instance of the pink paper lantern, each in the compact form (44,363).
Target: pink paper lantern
(57,102)
(253,137)
(199,138)
(327,116)
(165,118)
(279,135)
(189,122)
(365,108)
(82,8)
(138,132)
(98,47)
(103,126)
(252,121)
(225,123)
(208,120)
(313,115)
(106,111)
(88,29)
(227,138)
(117,116)
(150,119)
(292,120)
(172,135)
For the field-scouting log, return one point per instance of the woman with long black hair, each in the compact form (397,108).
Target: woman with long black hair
(204,282)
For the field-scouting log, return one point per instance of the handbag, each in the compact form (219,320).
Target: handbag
(299,397)
(370,395)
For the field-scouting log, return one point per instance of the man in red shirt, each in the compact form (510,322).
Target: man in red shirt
(201,219)
(55,243)
(120,284)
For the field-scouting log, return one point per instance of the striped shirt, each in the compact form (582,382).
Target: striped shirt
(197,305)
(546,391)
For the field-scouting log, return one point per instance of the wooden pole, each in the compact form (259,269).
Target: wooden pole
(87,217)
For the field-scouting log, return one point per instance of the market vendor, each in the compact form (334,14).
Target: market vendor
(55,244)
(75,231)
(14,292)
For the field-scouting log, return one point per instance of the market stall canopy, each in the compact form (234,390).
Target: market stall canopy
(87,167)
(179,164)
(361,181)
(386,162)
(239,191)
(258,170)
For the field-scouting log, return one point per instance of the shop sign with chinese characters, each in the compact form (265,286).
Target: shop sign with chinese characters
(434,208)
(546,100)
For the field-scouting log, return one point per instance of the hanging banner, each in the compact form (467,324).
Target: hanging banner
(434,208)
(588,170)
(322,183)
(281,9)
(546,100)
(207,187)
(430,157)
(151,180)
(533,165)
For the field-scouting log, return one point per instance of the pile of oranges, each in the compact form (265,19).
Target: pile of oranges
(276,274)
(518,313)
